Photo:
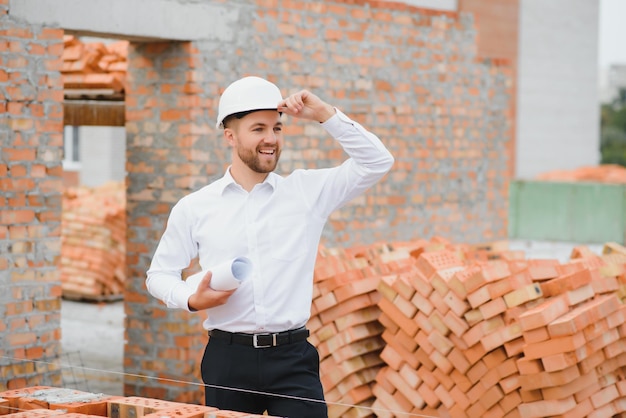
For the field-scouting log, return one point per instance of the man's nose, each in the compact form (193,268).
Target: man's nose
(271,137)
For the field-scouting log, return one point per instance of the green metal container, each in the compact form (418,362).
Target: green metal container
(567,211)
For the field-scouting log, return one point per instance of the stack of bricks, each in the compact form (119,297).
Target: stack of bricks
(503,337)
(93,242)
(345,330)
(46,401)
(94,66)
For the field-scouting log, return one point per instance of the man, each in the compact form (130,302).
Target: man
(258,357)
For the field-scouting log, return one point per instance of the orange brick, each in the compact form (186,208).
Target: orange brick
(510,401)
(523,295)
(605,285)
(409,393)
(455,324)
(546,408)
(348,306)
(429,396)
(554,346)
(137,406)
(460,380)
(536,335)
(562,284)
(408,326)
(549,379)
(458,360)
(543,269)
(423,359)
(479,297)
(387,322)
(473,317)
(444,396)
(571,388)
(583,409)
(475,334)
(407,342)
(185,411)
(422,304)
(475,353)
(580,295)
(428,377)
(407,308)
(514,347)
(492,308)
(591,362)
(508,284)
(410,376)
(456,304)
(358,287)
(583,315)
(420,283)
(491,397)
(544,313)
(443,377)
(510,383)
(440,342)
(437,322)
(441,362)
(35,413)
(529,366)
(460,398)
(477,371)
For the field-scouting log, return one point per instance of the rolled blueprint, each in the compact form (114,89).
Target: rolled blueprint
(226,276)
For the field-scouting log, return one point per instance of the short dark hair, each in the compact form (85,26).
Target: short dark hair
(238,115)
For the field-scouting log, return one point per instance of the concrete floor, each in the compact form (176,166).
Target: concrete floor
(92,337)
(93,333)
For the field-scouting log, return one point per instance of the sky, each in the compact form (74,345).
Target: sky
(612,33)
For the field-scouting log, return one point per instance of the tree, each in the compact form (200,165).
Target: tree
(613,131)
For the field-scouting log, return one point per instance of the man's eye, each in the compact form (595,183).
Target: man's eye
(278,129)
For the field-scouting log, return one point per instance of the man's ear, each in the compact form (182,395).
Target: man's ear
(229,135)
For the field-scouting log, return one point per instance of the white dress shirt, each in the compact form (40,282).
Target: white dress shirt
(277,225)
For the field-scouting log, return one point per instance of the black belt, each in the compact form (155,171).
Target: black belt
(264,340)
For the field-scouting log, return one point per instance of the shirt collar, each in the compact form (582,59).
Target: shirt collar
(227,181)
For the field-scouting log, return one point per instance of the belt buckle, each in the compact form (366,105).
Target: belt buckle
(255,340)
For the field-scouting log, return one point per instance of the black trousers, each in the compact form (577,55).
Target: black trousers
(281,380)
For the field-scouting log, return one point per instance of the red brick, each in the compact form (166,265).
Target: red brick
(546,408)
(549,379)
(492,308)
(554,346)
(567,282)
(583,315)
(571,388)
(536,335)
(410,327)
(543,269)
(544,313)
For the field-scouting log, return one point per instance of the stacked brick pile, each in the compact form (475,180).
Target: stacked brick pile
(93,242)
(345,329)
(45,401)
(470,332)
(606,173)
(94,66)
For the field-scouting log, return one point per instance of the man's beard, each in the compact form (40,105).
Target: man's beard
(252,160)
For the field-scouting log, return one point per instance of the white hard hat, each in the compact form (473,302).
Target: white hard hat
(248,93)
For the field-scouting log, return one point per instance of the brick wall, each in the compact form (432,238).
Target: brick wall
(168,155)
(31,126)
(412,76)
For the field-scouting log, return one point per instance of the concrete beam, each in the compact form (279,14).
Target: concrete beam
(135,20)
